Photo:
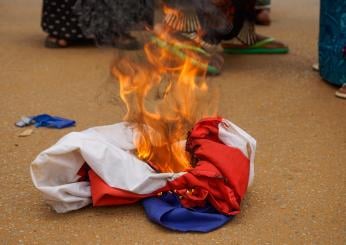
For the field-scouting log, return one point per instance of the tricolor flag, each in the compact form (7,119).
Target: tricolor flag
(98,166)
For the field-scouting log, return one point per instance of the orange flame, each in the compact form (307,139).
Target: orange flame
(162,126)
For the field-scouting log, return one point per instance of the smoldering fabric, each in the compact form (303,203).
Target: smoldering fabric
(105,20)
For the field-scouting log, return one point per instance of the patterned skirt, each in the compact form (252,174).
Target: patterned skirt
(59,19)
(103,20)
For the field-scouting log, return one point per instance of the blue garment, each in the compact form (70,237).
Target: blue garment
(45,120)
(168,212)
(332,42)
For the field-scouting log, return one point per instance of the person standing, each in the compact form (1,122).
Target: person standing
(332,44)
(210,22)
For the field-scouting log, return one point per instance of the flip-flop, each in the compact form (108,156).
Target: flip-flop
(178,50)
(257,48)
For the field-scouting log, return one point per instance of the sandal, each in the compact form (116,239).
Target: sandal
(341,93)
(260,47)
(214,66)
(54,42)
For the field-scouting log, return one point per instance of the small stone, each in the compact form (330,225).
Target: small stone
(26,132)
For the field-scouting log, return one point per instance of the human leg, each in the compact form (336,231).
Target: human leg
(263,12)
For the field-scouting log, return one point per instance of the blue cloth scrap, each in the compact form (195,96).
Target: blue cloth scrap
(167,211)
(45,120)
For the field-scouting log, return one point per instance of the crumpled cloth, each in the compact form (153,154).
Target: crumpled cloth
(45,120)
(168,212)
(98,166)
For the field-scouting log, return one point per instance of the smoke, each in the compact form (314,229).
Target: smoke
(105,20)
(219,19)
(164,97)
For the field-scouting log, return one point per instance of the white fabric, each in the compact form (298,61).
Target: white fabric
(108,151)
(231,135)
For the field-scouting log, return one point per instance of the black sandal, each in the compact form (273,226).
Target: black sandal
(54,42)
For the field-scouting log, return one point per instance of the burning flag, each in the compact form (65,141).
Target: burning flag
(99,166)
(188,167)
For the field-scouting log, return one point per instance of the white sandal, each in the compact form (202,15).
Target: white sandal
(341,93)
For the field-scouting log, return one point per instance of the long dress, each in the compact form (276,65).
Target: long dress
(332,41)
(60,21)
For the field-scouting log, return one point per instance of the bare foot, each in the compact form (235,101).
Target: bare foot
(263,17)
(53,42)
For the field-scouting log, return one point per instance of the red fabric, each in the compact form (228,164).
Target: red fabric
(105,195)
(220,176)
(204,143)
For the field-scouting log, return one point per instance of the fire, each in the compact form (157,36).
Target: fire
(177,68)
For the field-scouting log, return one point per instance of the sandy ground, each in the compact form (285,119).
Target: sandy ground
(299,191)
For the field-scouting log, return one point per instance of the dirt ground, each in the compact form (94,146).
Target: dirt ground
(298,196)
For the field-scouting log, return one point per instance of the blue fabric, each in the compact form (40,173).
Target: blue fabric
(45,120)
(168,212)
(332,41)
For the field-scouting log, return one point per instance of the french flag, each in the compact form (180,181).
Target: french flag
(98,166)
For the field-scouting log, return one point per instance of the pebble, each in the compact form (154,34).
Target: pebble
(26,132)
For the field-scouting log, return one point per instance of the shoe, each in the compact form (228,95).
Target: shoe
(341,93)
